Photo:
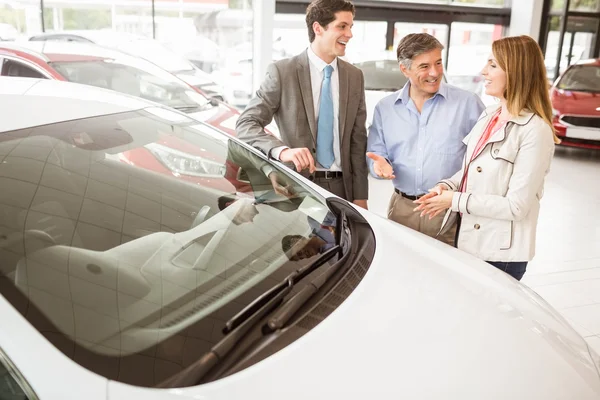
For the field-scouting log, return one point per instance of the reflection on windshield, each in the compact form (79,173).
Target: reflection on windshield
(582,78)
(130,265)
(128,79)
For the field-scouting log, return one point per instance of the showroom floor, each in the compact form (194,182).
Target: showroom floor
(566,268)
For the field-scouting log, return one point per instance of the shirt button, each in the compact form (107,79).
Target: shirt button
(476,226)
(496,151)
(479,169)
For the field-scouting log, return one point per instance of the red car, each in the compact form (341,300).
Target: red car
(576,105)
(94,65)
(97,66)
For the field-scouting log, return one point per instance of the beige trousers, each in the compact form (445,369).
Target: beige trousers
(401,211)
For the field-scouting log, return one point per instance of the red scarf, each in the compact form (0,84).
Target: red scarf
(483,140)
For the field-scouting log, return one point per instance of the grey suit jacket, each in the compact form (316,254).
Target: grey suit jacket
(286,96)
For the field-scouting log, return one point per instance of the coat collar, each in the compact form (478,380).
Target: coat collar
(522,119)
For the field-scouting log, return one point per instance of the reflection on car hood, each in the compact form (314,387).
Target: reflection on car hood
(220,117)
(427,321)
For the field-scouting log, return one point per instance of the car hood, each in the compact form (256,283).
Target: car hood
(428,322)
(193,78)
(576,103)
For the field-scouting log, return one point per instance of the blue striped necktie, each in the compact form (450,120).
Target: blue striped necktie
(325,155)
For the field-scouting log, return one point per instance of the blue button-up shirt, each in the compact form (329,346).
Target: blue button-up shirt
(425,147)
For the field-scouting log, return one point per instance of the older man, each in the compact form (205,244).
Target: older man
(417,132)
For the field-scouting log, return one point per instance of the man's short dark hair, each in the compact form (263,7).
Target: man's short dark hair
(415,44)
(288,242)
(225,201)
(323,12)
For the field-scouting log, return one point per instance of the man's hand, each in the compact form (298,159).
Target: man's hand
(381,166)
(301,158)
(361,203)
(280,186)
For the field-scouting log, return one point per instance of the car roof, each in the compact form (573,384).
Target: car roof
(593,61)
(57,101)
(97,36)
(22,51)
(57,51)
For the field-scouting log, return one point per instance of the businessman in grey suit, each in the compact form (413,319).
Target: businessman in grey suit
(318,102)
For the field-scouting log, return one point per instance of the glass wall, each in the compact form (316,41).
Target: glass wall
(402,29)
(470,47)
(18,17)
(578,30)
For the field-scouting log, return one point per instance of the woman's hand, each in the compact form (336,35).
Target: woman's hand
(438,200)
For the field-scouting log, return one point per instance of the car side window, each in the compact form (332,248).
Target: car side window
(16,68)
(12,384)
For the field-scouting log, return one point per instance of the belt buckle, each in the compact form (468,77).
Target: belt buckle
(327,175)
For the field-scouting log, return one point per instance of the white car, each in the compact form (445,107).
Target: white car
(140,46)
(131,269)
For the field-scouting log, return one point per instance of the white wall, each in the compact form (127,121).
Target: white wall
(526,18)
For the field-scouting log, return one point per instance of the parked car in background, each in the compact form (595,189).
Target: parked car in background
(576,105)
(143,47)
(99,66)
(131,282)
(235,71)
(199,50)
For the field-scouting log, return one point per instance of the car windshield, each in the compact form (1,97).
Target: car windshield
(128,240)
(581,78)
(145,81)
(382,75)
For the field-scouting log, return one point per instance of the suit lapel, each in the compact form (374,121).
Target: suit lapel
(343,85)
(303,71)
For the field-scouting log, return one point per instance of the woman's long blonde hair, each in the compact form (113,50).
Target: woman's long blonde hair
(526,85)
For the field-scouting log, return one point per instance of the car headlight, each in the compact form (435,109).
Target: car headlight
(186,164)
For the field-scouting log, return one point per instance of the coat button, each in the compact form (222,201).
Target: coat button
(479,169)
(476,226)
(496,151)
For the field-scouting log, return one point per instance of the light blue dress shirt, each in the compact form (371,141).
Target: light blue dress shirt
(425,147)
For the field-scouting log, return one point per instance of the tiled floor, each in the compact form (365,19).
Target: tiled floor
(566,268)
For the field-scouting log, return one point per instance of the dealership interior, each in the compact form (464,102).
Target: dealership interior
(223,49)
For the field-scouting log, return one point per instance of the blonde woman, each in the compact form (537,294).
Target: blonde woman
(496,195)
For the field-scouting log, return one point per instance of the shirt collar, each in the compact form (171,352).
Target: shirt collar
(318,62)
(404,93)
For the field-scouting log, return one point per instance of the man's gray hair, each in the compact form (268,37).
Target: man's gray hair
(415,44)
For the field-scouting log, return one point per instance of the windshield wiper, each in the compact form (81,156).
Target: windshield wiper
(284,286)
(238,326)
(282,315)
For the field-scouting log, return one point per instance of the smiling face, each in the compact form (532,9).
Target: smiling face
(495,78)
(331,41)
(425,72)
